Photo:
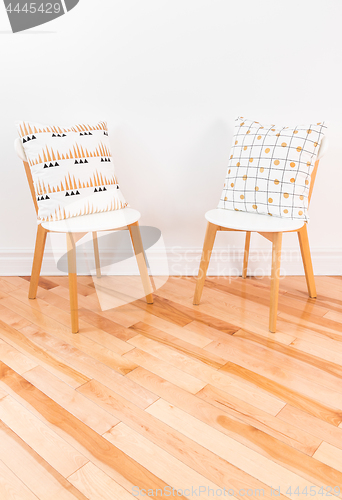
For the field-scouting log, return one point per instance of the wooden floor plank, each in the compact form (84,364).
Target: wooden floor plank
(238,388)
(71,433)
(182,333)
(12,319)
(273,426)
(242,438)
(281,368)
(161,463)
(105,324)
(179,345)
(14,358)
(43,282)
(167,371)
(290,395)
(90,367)
(314,425)
(97,485)
(255,464)
(331,367)
(182,315)
(45,315)
(57,452)
(76,404)
(125,315)
(37,474)
(217,313)
(213,334)
(6,286)
(324,349)
(82,287)
(334,316)
(241,293)
(41,355)
(199,458)
(11,488)
(329,455)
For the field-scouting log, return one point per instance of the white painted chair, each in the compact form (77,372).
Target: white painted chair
(272,228)
(75,228)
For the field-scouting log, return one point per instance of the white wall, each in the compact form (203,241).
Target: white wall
(170,77)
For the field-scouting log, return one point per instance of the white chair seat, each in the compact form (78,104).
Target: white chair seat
(104,221)
(245,221)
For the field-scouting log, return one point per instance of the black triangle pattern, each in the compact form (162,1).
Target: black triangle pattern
(100,189)
(78,162)
(46,165)
(72,193)
(29,138)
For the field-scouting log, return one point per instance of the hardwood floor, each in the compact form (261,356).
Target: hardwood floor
(146,398)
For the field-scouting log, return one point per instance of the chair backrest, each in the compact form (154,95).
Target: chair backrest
(21,153)
(322,150)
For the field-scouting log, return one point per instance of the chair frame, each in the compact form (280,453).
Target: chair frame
(276,239)
(72,238)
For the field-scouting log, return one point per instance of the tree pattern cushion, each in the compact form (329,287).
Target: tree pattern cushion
(72,169)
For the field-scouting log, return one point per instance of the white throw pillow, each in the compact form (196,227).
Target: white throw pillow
(72,169)
(270,168)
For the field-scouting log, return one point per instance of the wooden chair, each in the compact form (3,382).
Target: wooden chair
(271,228)
(75,228)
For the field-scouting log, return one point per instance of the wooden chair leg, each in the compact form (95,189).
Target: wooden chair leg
(37,261)
(97,255)
(72,271)
(246,254)
(306,256)
(276,258)
(206,254)
(138,248)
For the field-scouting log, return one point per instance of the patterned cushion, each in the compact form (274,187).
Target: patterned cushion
(72,169)
(270,168)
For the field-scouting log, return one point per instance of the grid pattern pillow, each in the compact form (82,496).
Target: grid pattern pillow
(72,169)
(270,168)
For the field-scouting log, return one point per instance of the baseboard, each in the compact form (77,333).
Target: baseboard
(180,261)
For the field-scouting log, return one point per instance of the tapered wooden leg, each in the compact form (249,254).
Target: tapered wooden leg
(246,254)
(306,256)
(72,271)
(276,258)
(97,255)
(206,254)
(138,248)
(37,261)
